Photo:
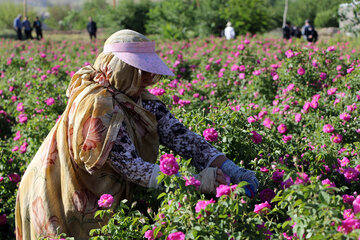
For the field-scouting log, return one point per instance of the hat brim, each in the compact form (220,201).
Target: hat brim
(149,62)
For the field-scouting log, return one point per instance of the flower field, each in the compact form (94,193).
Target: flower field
(286,110)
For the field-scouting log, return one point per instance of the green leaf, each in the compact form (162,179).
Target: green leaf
(324,197)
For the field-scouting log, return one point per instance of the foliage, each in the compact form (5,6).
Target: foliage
(9,11)
(248,15)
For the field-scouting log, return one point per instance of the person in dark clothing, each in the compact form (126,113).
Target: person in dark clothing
(91,28)
(27,28)
(18,26)
(309,32)
(295,32)
(287,31)
(38,28)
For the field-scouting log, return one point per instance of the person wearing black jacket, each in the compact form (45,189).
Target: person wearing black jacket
(38,28)
(91,28)
(309,32)
(287,31)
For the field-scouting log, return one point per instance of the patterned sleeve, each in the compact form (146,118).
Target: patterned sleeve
(180,139)
(126,161)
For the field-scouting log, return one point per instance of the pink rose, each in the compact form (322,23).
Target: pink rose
(301,71)
(50,101)
(298,117)
(176,236)
(191,181)
(331,91)
(106,200)
(328,128)
(149,234)
(345,116)
(202,204)
(210,134)
(302,179)
(287,138)
(323,76)
(224,190)
(356,204)
(168,164)
(259,207)
(282,128)
(336,138)
(14,177)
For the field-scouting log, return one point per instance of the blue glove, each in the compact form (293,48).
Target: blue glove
(238,174)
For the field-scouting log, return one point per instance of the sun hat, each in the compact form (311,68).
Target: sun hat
(140,55)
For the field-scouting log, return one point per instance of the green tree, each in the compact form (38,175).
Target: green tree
(132,15)
(208,17)
(172,19)
(9,11)
(248,15)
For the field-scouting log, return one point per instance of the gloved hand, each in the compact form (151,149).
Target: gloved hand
(210,178)
(238,174)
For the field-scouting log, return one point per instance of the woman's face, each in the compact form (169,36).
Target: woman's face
(146,80)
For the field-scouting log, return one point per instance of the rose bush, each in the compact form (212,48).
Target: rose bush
(286,110)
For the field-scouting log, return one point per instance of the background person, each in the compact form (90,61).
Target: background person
(27,28)
(309,32)
(91,28)
(229,31)
(38,28)
(18,26)
(287,31)
(107,141)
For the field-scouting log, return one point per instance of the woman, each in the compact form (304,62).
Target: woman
(107,140)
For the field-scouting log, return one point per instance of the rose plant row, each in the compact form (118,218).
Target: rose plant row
(286,110)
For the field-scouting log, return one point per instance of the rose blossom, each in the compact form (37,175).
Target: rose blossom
(176,236)
(298,117)
(149,234)
(287,138)
(278,175)
(259,207)
(323,76)
(336,138)
(267,194)
(105,200)
(224,190)
(356,204)
(331,91)
(349,199)
(256,138)
(192,181)
(302,179)
(301,71)
(345,116)
(14,177)
(282,128)
(328,128)
(210,134)
(202,204)
(168,164)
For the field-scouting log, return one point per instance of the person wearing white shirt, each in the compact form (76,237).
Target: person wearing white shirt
(229,31)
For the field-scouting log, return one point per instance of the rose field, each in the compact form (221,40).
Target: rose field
(286,110)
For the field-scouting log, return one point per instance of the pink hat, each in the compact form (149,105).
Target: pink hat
(141,55)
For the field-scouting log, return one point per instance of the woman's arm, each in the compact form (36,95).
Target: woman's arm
(174,135)
(126,161)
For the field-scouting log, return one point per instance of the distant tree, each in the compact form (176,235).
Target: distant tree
(172,19)
(57,14)
(132,15)
(208,17)
(9,11)
(248,15)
